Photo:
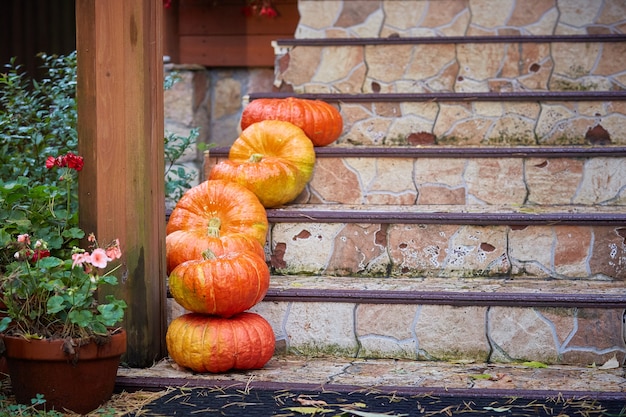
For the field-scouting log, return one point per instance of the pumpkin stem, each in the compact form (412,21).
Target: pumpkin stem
(255,157)
(208,255)
(214,227)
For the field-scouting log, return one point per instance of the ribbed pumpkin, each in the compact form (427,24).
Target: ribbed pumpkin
(217,215)
(272,158)
(321,122)
(188,244)
(222,285)
(212,344)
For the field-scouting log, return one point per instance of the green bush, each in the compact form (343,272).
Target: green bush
(39,119)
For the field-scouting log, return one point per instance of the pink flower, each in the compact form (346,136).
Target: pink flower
(25,239)
(79,259)
(113,251)
(99,258)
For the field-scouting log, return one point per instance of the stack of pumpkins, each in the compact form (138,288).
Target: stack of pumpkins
(217,231)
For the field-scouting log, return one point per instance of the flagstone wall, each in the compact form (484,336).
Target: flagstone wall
(211,100)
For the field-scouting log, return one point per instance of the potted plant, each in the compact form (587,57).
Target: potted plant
(49,284)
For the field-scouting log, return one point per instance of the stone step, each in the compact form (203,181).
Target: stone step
(464,319)
(448,241)
(439,175)
(490,63)
(477,118)
(452,64)
(467,319)
(433,18)
(398,379)
(457,90)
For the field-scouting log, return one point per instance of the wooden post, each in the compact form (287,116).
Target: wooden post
(120,135)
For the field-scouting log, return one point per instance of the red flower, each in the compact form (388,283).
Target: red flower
(268,11)
(39,254)
(74,161)
(70,160)
(50,162)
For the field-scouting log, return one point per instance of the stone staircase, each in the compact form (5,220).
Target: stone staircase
(474,208)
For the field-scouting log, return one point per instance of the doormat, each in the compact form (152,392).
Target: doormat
(253,402)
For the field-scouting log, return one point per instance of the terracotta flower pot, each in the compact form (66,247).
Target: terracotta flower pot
(79,384)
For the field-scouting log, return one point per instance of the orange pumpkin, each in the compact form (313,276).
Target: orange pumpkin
(212,344)
(220,285)
(217,215)
(321,122)
(188,244)
(272,158)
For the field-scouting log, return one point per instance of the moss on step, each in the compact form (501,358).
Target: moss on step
(569,140)
(455,356)
(319,350)
(502,138)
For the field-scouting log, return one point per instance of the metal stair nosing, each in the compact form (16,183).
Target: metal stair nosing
(450,298)
(435,151)
(421,40)
(541,95)
(287,215)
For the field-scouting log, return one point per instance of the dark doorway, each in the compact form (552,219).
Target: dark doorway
(28,27)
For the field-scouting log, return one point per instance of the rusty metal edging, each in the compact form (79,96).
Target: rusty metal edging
(435,151)
(457,299)
(470,298)
(480,218)
(425,40)
(542,96)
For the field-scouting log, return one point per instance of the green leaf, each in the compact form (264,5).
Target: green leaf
(55,304)
(4,323)
(49,262)
(110,279)
(5,238)
(112,313)
(73,233)
(80,317)
(99,328)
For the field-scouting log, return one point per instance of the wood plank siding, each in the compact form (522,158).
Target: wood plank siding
(28,27)
(218,34)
